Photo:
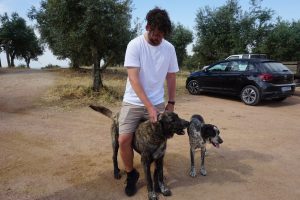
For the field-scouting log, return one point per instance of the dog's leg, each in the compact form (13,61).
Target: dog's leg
(202,169)
(115,146)
(117,173)
(146,163)
(159,184)
(193,170)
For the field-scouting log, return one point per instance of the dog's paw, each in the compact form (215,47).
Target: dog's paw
(117,174)
(203,172)
(163,190)
(193,172)
(152,196)
(166,191)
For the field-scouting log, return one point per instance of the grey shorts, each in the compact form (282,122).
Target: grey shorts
(130,116)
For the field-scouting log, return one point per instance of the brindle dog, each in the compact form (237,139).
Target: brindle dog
(150,140)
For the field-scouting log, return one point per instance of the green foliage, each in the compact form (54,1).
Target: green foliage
(192,62)
(11,35)
(86,31)
(18,40)
(58,22)
(32,47)
(283,43)
(180,38)
(72,29)
(228,30)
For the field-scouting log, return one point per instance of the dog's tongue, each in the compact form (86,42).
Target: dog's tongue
(216,145)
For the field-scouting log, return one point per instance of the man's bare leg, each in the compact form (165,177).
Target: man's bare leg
(126,150)
(127,155)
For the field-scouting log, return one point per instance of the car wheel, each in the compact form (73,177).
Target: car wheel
(250,95)
(279,99)
(193,87)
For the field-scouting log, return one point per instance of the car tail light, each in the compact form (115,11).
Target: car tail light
(266,77)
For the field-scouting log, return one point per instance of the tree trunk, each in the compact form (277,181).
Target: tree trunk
(8,59)
(27,60)
(0,63)
(97,85)
(75,64)
(108,62)
(12,61)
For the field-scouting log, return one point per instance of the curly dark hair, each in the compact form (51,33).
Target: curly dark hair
(158,18)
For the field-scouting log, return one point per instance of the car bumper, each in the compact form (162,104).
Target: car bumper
(271,91)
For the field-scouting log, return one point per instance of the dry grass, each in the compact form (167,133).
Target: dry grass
(74,88)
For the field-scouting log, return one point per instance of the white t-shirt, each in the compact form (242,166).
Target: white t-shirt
(154,63)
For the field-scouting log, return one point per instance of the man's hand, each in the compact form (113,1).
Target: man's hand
(153,112)
(169,107)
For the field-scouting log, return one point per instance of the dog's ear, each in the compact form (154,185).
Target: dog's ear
(165,120)
(207,131)
(216,130)
(198,117)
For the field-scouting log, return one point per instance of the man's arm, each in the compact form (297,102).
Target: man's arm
(171,85)
(133,75)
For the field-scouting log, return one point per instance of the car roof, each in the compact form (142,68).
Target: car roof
(248,59)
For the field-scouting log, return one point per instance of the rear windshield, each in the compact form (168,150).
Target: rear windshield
(274,67)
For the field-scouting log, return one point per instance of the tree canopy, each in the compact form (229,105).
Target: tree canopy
(85,31)
(18,40)
(229,30)
(180,38)
(90,31)
(283,42)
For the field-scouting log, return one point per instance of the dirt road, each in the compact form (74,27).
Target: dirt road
(50,154)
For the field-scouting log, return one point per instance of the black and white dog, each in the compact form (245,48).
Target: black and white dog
(200,133)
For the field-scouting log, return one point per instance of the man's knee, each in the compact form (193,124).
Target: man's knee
(125,140)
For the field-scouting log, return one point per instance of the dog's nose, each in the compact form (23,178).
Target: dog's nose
(185,123)
(220,141)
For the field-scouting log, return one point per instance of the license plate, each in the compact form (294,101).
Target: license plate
(284,89)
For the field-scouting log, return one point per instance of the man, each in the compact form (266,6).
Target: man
(150,60)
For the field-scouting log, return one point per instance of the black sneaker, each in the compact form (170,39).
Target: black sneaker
(132,178)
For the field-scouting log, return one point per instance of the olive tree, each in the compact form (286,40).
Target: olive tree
(85,31)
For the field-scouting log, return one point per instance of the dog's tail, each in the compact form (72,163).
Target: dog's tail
(105,111)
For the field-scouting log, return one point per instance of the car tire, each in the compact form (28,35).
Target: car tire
(250,95)
(193,87)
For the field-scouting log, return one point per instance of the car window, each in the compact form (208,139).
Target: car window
(237,66)
(274,67)
(251,67)
(233,66)
(220,67)
(243,65)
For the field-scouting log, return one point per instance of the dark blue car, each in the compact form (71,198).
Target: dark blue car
(251,79)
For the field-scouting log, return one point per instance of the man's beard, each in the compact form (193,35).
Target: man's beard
(154,42)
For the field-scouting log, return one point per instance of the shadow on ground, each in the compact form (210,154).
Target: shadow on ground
(223,167)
